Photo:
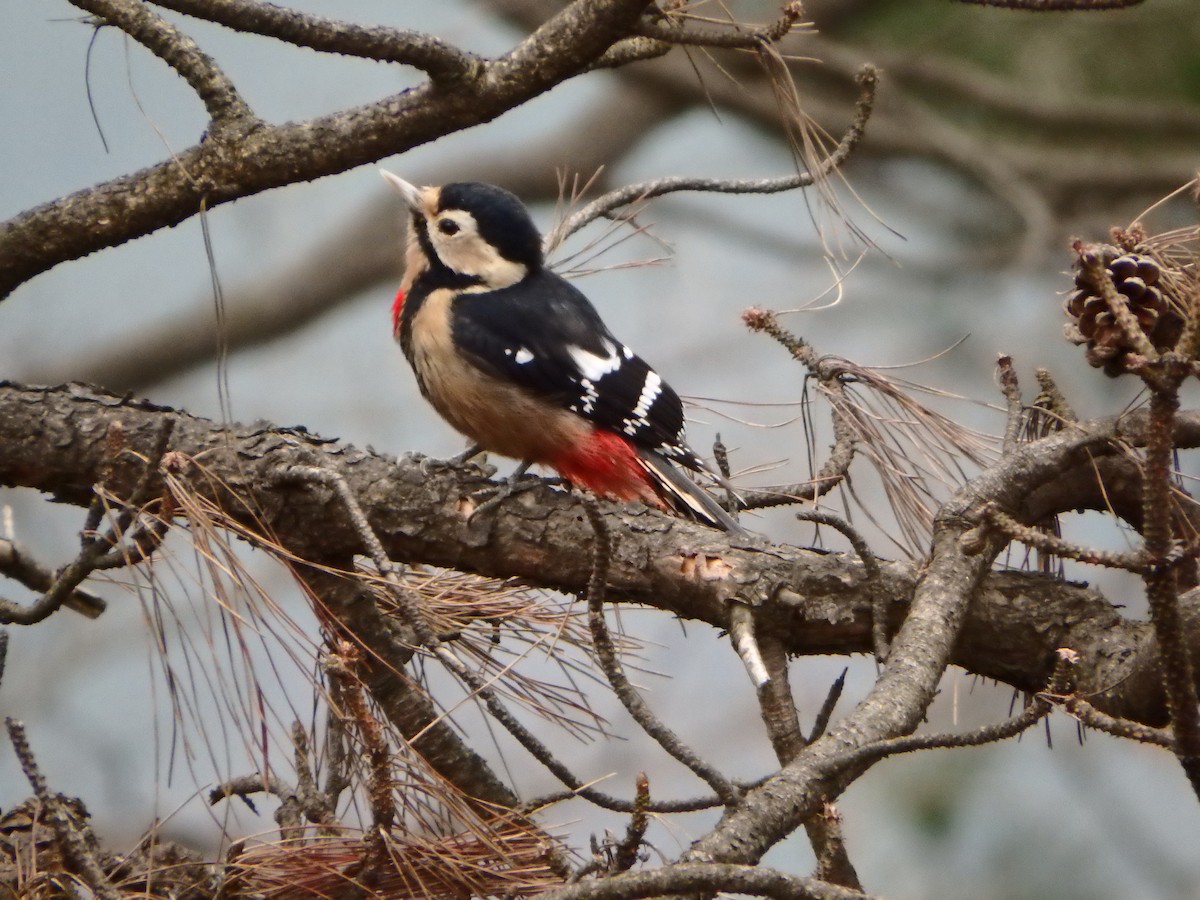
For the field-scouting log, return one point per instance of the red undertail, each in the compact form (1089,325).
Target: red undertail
(608,465)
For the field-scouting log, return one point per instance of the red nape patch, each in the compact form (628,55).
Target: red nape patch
(397,308)
(607,464)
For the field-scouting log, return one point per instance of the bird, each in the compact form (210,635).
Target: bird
(518,360)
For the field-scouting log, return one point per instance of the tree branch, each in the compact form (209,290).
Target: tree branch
(671,29)
(868,80)
(76,840)
(16,562)
(606,653)
(225,105)
(813,603)
(220,169)
(704,877)
(438,59)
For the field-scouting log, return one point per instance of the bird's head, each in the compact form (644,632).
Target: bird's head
(469,233)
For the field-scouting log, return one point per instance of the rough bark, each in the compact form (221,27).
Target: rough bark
(53,440)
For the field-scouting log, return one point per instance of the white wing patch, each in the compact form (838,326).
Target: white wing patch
(592,366)
(637,420)
(590,396)
(650,391)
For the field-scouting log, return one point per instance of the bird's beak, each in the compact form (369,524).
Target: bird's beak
(410,192)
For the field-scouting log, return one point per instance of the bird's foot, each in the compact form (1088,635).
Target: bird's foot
(428,464)
(516,483)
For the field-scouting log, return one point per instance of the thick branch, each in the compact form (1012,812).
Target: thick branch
(218,170)
(440,60)
(53,440)
(224,104)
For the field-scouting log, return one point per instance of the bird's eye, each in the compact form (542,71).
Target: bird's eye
(448,226)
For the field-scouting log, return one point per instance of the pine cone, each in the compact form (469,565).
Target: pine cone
(1091,322)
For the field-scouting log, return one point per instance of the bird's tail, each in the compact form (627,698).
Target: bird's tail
(685,496)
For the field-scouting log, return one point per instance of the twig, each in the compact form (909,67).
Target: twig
(631,50)
(721,458)
(704,878)
(825,713)
(410,611)
(779,715)
(1052,543)
(16,562)
(625,855)
(745,642)
(292,806)
(337,777)
(98,552)
(646,190)
(76,846)
(879,600)
(65,581)
(606,654)
(438,59)
(614,804)
(315,804)
(220,97)
(837,464)
(1055,5)
(1102,721)
(287,816)
(1051,398)
(735,37)
(777,705)
(343,665)
(1163,377)
(1011,389)
(1036,709)
(339,485)
(829,844)
(244,785)
(1033,713)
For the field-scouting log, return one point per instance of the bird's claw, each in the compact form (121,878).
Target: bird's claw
(429,465)
(492,497)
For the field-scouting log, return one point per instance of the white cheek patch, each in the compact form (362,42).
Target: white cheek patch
(592,366)
(467,253)
(523,356)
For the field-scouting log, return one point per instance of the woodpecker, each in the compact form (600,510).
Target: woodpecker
(518,360)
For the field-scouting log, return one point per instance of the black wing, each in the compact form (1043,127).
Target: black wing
(546,336)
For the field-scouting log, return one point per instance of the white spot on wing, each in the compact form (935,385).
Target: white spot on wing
(590,396)
(650,391)
(523,356)
(637,420)
(592,366)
